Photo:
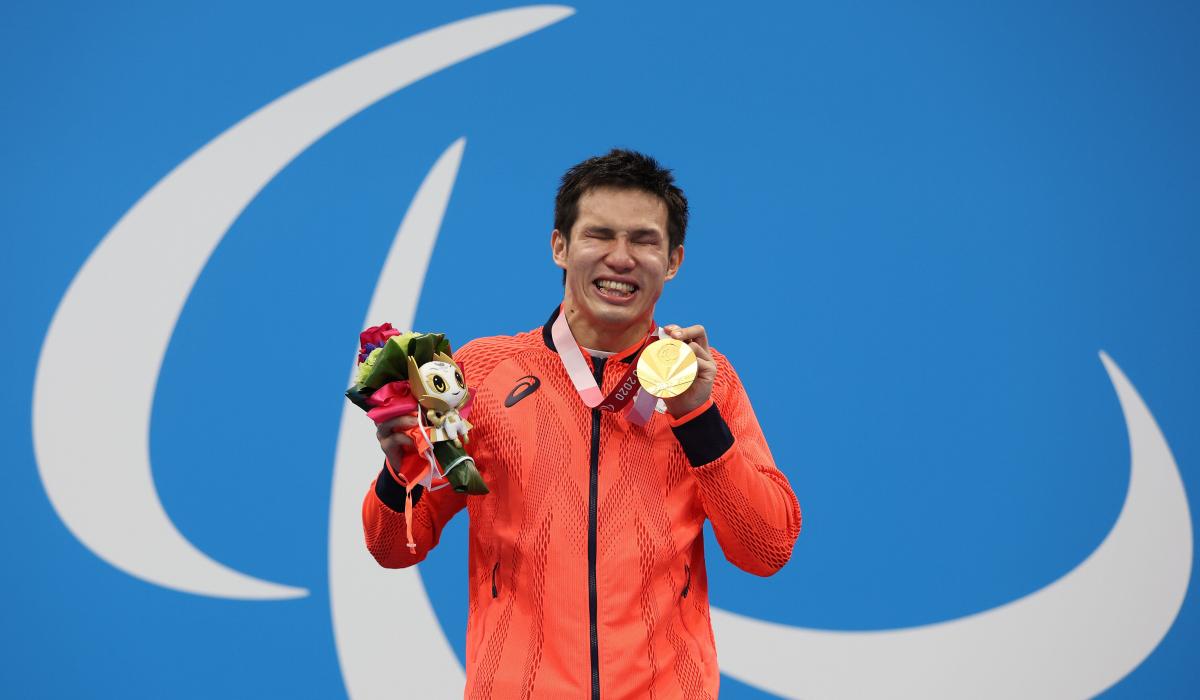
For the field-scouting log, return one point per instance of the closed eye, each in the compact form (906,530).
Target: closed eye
(647,236)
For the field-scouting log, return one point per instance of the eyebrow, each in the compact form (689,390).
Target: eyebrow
(634,232)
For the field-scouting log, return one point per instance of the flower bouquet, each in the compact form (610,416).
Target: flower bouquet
(414,373)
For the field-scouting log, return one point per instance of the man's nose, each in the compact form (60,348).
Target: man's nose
(620,255)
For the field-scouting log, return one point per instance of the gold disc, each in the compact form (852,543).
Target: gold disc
(666,368)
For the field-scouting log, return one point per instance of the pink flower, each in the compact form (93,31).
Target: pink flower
(376,336)
(391,400)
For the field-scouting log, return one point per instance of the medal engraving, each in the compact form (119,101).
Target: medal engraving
(666,368)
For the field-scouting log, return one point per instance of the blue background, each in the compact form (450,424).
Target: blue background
(938,213)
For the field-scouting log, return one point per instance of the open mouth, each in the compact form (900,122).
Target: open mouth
(615,290)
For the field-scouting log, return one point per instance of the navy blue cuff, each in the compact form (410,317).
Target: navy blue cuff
(392,494)
(704,438)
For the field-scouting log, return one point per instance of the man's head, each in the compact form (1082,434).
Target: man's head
(619,222)
(622,169)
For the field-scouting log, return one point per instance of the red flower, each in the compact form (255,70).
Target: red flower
(391,400)
(376,336)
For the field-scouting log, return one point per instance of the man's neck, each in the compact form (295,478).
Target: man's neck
(605,340)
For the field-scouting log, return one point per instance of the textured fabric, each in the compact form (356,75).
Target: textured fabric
(528,629)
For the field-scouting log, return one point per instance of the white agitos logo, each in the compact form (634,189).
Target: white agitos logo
(1073,638)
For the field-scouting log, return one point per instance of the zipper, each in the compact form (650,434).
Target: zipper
(495,591)
(687,583)
(593,497)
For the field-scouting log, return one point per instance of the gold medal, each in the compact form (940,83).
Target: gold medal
(666,368)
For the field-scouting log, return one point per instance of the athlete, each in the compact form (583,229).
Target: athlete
(586,559)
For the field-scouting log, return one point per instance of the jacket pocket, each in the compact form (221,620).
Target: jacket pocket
(495,582)
(693,623)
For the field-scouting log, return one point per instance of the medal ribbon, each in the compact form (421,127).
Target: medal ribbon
(628,391)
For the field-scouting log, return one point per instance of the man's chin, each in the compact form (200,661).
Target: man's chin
(620,318)
(615,317)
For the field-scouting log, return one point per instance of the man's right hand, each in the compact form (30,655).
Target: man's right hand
(392,439)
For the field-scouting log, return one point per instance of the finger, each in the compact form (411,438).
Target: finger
(397,440)
(702,353)
(706,366)
(398,424)
(690,334)
(396,448)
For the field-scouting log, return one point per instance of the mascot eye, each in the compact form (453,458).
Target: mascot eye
(459,378)
(439,384)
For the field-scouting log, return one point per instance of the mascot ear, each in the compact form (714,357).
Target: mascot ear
(414,380)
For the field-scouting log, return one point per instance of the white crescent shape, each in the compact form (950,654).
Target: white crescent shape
(382,618)
(91,410)
(1072,639)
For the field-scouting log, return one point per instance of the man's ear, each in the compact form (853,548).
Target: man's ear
(558,248)
(674,260)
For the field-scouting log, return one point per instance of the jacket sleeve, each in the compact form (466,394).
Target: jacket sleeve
(383,519)
(753,511)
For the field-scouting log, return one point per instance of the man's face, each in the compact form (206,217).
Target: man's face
(616,261)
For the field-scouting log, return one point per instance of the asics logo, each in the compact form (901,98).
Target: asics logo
(525,386)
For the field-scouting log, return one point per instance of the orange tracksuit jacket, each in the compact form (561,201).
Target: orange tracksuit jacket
(586,561)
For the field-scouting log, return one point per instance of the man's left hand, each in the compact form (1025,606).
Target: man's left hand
(706,370)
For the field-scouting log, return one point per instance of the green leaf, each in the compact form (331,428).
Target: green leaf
(392,362)
(359,396)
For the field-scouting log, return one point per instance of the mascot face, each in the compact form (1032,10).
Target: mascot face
(443,382)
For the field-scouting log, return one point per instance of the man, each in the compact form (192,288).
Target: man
(586,563)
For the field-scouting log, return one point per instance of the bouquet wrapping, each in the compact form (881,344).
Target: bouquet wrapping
(414,373)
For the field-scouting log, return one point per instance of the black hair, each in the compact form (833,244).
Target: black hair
(627,169)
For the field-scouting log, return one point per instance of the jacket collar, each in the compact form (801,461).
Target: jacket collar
(627,355)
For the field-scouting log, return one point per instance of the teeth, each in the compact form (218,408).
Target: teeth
(623,287)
